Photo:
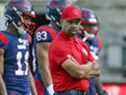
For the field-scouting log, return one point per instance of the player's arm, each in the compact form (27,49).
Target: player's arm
(32,83)
(42,56)
(79,71)
(43,38)
(3,90)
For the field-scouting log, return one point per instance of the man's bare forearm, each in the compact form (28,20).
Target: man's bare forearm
(3,90)
(32,83)
(78,70)
(42,56)
(45,70)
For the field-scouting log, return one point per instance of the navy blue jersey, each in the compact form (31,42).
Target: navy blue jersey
(35,65)
(42,34)
(16,65)
(95,46)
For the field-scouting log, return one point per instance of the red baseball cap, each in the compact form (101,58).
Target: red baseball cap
(71,13)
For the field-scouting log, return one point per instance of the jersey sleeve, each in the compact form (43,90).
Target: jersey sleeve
(3,40)
(44,34)
(1,44)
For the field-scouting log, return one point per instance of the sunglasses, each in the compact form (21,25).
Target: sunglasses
(76,22)
(89,25)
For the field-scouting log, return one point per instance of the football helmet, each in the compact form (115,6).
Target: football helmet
(89,21)
(54,10)
(23,6)
(16,11)
(13,16)
(54,15)
(61,4)
(37,21)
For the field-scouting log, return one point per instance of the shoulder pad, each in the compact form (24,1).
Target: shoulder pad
(45,34)
(47,29)
(3,39)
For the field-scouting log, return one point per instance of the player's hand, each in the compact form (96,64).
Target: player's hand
(50,89)
(96,66)
(88,67)
(92,67)
(92,70)
(94,73)
(95,70)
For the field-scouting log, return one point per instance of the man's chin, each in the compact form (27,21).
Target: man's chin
(73,33)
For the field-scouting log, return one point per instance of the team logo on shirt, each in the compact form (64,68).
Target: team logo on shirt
(23,43)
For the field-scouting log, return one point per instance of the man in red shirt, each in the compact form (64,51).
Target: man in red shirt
(71,63)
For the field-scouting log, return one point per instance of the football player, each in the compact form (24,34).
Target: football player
(39,20)
(90,29)
(61,4)
(15,76)
(41,39)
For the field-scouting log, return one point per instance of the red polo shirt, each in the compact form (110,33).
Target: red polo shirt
(59,51)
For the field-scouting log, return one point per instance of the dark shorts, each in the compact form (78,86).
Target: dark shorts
(70,92)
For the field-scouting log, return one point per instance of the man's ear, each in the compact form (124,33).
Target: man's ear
(61,23)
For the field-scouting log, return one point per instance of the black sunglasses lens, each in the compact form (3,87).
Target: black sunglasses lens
(74,22)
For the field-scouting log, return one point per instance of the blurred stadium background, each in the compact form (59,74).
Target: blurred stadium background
(112,14)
